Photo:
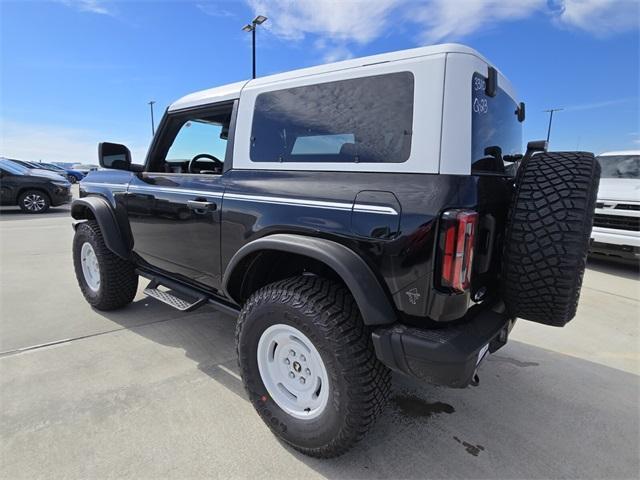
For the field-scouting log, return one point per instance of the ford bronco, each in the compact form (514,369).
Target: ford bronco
(370,215)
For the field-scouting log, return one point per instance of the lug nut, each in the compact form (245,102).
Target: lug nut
(287,361)
(302,358)
(291,374)
(292,353)
(307,371)
(302,380)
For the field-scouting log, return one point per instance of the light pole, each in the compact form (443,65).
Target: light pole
(551,110)
(251,27)
(153,127)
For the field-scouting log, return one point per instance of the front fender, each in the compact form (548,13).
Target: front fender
(373,302)
(89,208)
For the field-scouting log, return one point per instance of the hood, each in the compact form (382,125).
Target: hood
(619,189)
(39,172)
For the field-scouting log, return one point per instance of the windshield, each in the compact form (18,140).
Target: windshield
(12,167)
(495,129)
(620,166)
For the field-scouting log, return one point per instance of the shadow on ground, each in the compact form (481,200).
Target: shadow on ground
(535,414)
(613,266)
(14,213)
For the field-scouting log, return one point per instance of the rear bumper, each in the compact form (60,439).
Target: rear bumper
(447,356)
(615,237)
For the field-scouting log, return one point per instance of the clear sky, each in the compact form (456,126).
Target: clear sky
(75,72)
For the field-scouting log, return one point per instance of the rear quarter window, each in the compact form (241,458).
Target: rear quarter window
(361,120)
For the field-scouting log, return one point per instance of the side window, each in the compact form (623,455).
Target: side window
(198,144)
(367,119)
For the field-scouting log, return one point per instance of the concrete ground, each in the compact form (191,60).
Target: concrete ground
(148,392)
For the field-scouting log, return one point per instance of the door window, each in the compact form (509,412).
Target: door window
(195,143)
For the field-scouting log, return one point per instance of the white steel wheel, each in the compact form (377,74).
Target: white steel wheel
(34,202)
(90,267)
(293,371)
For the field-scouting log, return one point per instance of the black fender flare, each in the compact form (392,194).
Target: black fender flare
(103,213)
(373,302)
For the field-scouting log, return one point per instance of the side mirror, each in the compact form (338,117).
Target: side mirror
(520,112)
(114,155)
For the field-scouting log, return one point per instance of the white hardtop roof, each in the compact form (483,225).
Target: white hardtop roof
(232,90)
(620,153)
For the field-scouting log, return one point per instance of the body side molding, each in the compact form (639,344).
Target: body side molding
(373,302)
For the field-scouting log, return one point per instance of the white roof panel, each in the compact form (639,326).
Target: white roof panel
(232,91)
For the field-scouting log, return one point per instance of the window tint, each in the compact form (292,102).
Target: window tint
(365,119)
(495,129)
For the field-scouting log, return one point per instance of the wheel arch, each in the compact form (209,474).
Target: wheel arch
(326,257)
(98,209)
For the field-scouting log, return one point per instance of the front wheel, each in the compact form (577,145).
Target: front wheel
(308,365)
(72,178)
(34,201)
(106,280)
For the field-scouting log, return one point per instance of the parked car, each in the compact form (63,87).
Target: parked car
(616,224)
(358,217)
(72,175)
(43,172)
(28,188)
(85,169)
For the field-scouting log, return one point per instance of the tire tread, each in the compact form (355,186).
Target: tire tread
(548,234)
(337,316)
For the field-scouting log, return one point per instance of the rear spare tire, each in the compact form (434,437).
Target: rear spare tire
(547,236)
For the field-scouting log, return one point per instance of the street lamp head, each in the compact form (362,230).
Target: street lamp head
(259,20)
(248,28)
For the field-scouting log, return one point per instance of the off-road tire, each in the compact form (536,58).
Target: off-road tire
(547,236)
(327,314)
(118,280)
(22,201)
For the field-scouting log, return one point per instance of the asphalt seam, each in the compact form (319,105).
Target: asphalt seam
(610,293)
(10,353)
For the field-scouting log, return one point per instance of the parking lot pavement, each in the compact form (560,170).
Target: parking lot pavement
(148,392)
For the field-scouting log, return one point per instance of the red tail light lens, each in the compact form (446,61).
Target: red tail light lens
(457,237)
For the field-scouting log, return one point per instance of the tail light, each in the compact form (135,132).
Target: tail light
(457,235)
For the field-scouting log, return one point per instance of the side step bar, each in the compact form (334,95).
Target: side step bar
(197,297)
(153,291)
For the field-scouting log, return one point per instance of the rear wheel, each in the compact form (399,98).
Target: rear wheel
(548,235)
(72,178)
(34,201)
(106,280)
(308,365)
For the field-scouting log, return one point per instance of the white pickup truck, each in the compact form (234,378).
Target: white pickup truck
(616,224)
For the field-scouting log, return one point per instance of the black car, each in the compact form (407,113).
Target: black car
(358,218)
(32,191)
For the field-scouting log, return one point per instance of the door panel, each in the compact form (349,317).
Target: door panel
(175,222)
